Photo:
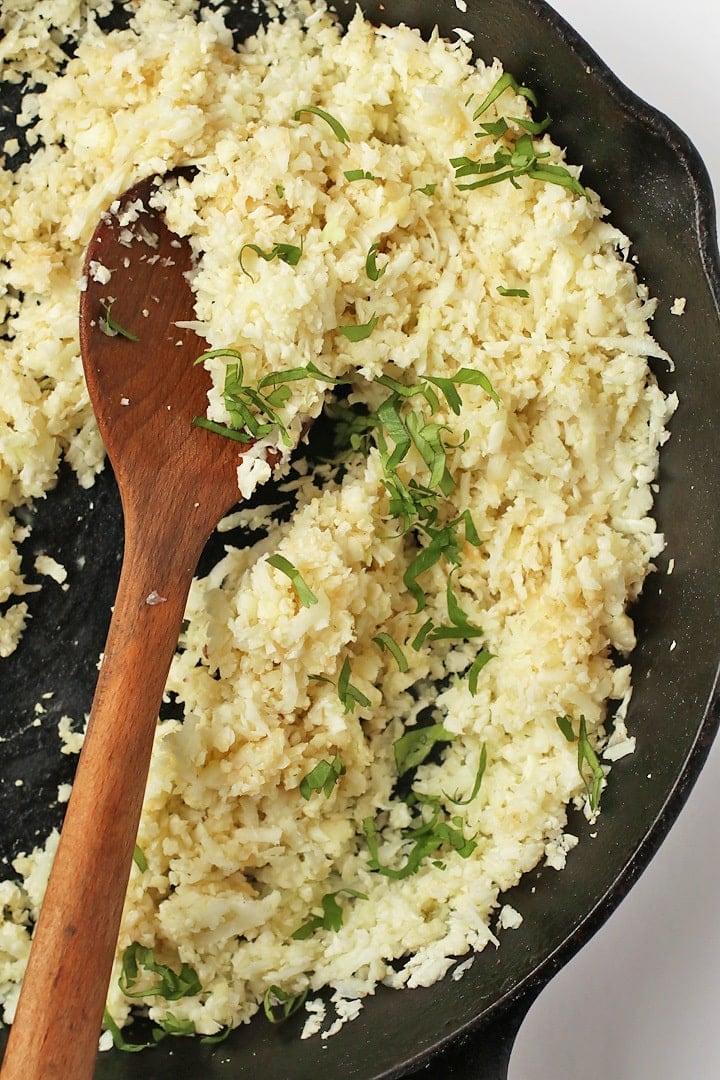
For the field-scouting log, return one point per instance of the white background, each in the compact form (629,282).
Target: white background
(642,1000)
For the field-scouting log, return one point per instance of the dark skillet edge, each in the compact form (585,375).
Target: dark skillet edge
(481,1050)
(664,127)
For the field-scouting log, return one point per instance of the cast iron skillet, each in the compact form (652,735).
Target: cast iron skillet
(658,191)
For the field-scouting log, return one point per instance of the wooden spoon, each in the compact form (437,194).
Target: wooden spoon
(176,481)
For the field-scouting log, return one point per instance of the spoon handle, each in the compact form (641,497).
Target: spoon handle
(59,1014)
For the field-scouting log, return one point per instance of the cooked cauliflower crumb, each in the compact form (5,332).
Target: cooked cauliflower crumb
(527,286)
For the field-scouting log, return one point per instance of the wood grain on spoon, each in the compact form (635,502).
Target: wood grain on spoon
(176,481)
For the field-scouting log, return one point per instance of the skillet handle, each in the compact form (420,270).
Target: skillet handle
(481,1055)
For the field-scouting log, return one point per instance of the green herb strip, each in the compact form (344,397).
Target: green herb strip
(505,82)
(336,126)
(254,410)
(586,757)
(278,1005)
(483,657)
(332,915)
(359,331)
(385,641)
(349,695)
(111,327)
(323,777)
(287,253)
(428,838)
(373,271)
(304,594)
(118,1041)
(139,859)
(352,175)
(413,747)
(482,765)
(169,985)
(513,292)
(509,164)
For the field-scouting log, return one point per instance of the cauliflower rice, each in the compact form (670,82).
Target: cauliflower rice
(525,282)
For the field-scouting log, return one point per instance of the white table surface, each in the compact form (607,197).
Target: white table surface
(641,1001)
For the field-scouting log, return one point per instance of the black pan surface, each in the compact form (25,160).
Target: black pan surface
(658,192)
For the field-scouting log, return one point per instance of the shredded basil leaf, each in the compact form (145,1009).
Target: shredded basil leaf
(373,271)
(173,1025)
(336,126)
(427,189)
(413,747)
(349,695)
(304,594)
(139,859)
(482,765)
(513,292)
(278,1004)
(586,757)
(170,984)
(428,839)
(332,916)
(358,174)
(111,327)
(287,253)
(482,658)
(359,331)
(419,639)
(323,777)
(385,641)
(118,1041)
(505,82)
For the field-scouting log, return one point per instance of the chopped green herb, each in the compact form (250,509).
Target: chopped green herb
(463,377)
(586,757)
(385,641)
(139,859)
(533,127)
(279,1005)
(482,658)
(513,292)
(306,597)
(455,613)
(323,777)
(173,1025)
(371,268)
(336,126)
(349,695)
(443,543)
(118,1041)
(331,918)
(287,253)
(358,174)
(279,191)
(565,725)
(496,128)
(222,429)
(419,639)
(110,327)
(413,747)
(509,164)
(427,189)
(169,984)
(359,331)
(505,82)
(482,765)
(428,839)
